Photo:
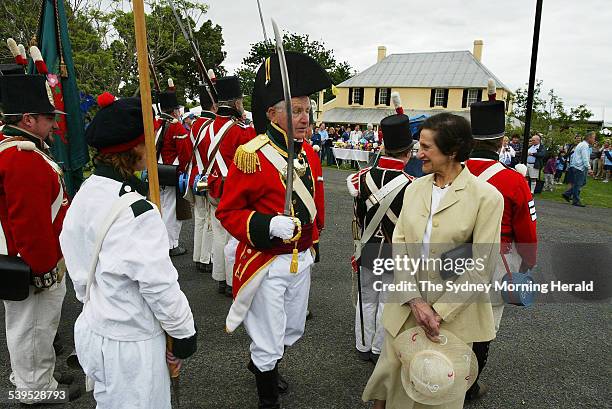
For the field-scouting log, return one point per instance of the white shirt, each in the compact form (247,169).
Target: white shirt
(136,291)
(437,194)
(505,156)
(355,137)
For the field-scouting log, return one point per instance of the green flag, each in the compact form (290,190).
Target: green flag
(69,147)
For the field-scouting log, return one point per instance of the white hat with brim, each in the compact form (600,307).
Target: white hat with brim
(435,373)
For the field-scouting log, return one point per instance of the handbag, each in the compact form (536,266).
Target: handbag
(517,288)
(461,252)
(16,275)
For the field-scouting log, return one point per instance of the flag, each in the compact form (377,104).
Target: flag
(69,147)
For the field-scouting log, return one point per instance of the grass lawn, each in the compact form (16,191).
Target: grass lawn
(595,193)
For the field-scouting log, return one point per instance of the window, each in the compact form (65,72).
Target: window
(357,93)
(439,99)
(383,96)
(472,96)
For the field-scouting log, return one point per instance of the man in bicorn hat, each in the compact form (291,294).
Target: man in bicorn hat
(378,193)
(518,228)
(217,149)
(202,235)
(274,256)
(33,204)
(171,140)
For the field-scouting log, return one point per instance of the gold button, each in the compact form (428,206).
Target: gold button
(249,251)
(294,201)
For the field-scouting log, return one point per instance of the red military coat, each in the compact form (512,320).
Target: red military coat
(238,134)
(29,185)
(197,130)
(519,218)
(175,144)
(255,194)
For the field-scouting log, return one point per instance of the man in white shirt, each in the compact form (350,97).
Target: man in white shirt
(581,165)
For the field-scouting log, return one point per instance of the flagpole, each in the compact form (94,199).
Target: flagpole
(145,99)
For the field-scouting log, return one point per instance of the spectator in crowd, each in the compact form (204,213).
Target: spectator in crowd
(369,134)
(607,158)
(560,165)
(188,121)
(346,133)
(356,135)
(315,139)
(535,160)
(580,165)
(506,153)
(549,173)
(595,158)
(569,148)
(326,145)
(380,135)
(518,148)
(333,134)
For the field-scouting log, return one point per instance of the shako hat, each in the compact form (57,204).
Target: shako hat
(26,94)
(228,88)
(435,373)
(306,77)
(488,118)
(167,99)
(397,135)
(11,69)
(205,101)
(117,127)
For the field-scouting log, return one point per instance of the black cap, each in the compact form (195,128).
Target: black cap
(228,88)
(396,132)
(11,69)
(488,119)
(205,102)
(116,125)
(26,94)
(167,100)
(306,77)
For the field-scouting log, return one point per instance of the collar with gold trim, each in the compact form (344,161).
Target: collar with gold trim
(12,130)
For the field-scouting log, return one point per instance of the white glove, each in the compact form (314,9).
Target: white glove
(282,227)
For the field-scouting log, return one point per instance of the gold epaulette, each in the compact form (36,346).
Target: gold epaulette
(246,158)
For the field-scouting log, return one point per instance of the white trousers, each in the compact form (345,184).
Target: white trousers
(202,234)
(373,330)
(533,174)
(167,198)
(230,258)
(277,315)
(31,326)
(125,374)
(220,239)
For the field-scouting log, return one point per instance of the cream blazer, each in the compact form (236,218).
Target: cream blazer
(471,209)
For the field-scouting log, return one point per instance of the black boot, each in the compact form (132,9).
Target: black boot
(267,387)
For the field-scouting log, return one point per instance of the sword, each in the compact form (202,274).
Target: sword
(289,112)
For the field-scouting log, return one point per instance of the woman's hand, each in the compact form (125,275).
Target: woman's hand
(426,318)
(173,361)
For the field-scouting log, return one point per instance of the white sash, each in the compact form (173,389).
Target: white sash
(215,139)
(377,195)
(300,189)
(491,171)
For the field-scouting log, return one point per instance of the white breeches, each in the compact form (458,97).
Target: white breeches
(220,239)
(277,315)
(230,258)
(31,326)
(167,198)
(203,234)
(126,374)
(373,330)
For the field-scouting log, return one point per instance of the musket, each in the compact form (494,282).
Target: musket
(155,80)
(263,26)
(204,78)
(280,51)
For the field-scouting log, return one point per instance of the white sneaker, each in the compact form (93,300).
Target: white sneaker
(605,181)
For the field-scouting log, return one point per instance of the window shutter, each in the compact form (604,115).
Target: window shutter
(377,96)
(479,95)
(432,98)
(350,96)
(464,99)
(388,97)
(361,97)
(445,98)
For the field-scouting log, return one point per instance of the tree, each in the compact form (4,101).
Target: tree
(292,42)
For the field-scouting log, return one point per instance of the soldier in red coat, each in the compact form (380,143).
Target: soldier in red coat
(172,144)
(274,256)
(518,228)
(33,204)
(219,143)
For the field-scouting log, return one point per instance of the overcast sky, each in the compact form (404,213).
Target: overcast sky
(575,55)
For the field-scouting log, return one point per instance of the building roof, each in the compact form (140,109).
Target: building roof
(450,69)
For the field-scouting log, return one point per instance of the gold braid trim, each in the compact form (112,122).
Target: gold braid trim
(246,158)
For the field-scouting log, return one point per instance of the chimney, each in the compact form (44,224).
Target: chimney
(382,53)
(478,49)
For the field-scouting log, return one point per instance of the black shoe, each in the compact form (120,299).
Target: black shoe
(62,377)
(364,356)
(578,204)
(177,251)
(267,387)
(566,197)
(283,386)
(208,268)
(229,291)
(200,266)
(477,391)
(221,287)
(374,357)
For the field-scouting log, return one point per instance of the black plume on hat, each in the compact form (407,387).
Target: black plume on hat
(397,136)
(488,119)
(306,77)
(25,94)
(228,88)
(116,124)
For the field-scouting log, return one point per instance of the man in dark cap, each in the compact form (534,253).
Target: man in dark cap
(220,140)
(274,255)
(378,193)
(32,210)
(202,234)
(172,149)
(518,227)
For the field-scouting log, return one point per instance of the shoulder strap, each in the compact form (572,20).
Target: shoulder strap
(384,205)
(195,152)
(491,171)
(124,202)
(213,150)
(377,195)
